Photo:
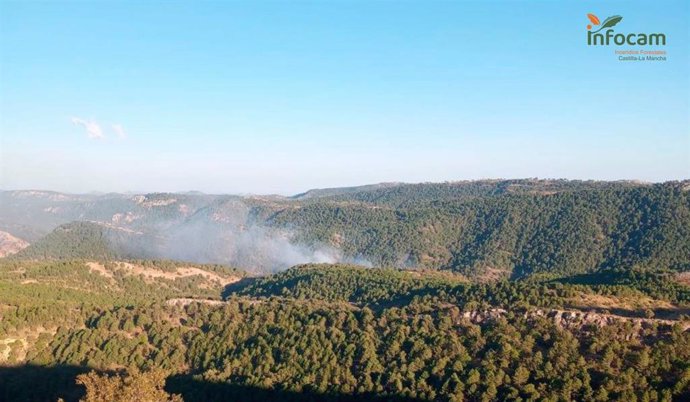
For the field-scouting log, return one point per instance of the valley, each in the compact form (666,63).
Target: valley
(495,228)
(220,334)
(469,291)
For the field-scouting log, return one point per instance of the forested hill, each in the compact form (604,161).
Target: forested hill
(482,229)
(506,228)
(336,333)
(68,241)
(406,193)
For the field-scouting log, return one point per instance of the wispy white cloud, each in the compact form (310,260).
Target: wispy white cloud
(96,131)
(120,131)
(93,129)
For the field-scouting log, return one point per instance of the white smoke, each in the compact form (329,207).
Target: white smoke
(231,237)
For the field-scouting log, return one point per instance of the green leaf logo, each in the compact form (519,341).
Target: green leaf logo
(610,22)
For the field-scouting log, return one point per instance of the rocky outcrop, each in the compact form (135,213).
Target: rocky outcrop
(182,302)
(575,319)
(10,245)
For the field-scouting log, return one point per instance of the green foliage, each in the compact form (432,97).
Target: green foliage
(488,313)
(51,294)
(70,241)
(126,387)
(514,228)
(346,333)
(658,284)
(423,351)
(352,284)
(382,287)
(484,229)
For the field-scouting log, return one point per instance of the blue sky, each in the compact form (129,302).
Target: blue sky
(278,97)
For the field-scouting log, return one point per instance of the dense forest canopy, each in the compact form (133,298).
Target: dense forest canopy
(484,229)
(519,290)
(338,332)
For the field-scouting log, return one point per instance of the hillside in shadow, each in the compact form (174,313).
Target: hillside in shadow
(31,383)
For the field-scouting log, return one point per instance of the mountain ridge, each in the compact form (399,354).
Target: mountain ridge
(482,229)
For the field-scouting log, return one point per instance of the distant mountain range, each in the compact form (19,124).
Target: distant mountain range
(484,229)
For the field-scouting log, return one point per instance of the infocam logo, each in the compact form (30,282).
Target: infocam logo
(610,37)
